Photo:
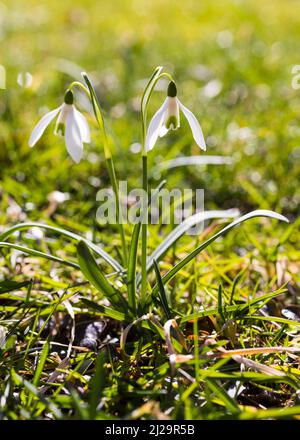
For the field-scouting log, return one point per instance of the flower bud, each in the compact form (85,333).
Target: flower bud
(69,97)
(172,90)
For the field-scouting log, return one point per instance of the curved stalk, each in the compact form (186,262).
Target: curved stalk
(108,158)
(155,77)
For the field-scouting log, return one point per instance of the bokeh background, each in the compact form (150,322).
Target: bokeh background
(232,61)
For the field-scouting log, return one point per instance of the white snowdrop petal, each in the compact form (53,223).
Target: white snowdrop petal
(83,126)
(73,137)
(163,131)
(155,126)
(41,126)
(195,126)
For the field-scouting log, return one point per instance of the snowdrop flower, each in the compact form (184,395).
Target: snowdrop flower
(167,118)
(70,123)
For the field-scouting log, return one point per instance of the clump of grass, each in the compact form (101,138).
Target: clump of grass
(214,333)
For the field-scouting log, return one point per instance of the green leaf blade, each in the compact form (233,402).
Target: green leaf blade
(93,273)
(257,213)
(131,273)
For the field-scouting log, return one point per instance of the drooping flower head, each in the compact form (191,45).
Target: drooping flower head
(71,124)
(167,118)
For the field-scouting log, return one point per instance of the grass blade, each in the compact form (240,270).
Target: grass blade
(35,253)
(79,405)
(98,250)
(230,404)
(32,390)
(10,285)
(93,273)
(40,366)
(181,229)
(163,297)
(272,413)
(192,161)
(97,384)
(131,274)
(238,309)
(105,311)
(220,303)
(258,213)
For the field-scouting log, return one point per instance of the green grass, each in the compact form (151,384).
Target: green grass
(237,291)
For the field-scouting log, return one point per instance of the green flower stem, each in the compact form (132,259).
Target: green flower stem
(108,156)
(155,77)
(81,87)
(144,231)
(113,179)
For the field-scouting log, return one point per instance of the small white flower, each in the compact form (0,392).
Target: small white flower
(167,117)
(70,123)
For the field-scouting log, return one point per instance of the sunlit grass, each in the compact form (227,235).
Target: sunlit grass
(233,63)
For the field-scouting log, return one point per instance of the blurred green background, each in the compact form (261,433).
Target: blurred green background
(232,61)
